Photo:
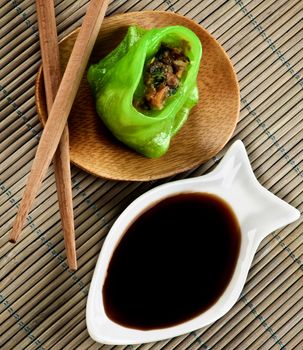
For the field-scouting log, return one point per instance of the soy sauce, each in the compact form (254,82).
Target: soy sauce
(173,262)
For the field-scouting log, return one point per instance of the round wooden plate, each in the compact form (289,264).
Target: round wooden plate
(209,127)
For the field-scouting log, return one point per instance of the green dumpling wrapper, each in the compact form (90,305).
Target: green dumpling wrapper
(118,78)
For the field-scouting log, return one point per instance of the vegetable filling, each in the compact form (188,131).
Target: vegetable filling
(162,77)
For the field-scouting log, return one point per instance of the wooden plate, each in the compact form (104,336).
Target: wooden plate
(209,127)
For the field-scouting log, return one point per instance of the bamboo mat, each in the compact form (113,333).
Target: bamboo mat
(42,303)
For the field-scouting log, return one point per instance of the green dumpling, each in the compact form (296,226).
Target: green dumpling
(145,88)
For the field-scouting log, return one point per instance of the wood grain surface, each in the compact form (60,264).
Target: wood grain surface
(42,303)
(210,124)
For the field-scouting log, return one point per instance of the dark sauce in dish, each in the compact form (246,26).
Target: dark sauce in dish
(173,262)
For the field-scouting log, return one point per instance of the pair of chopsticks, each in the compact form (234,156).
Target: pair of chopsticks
(59,103)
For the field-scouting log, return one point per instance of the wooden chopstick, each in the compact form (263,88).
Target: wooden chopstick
(52,76)
(61,107)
